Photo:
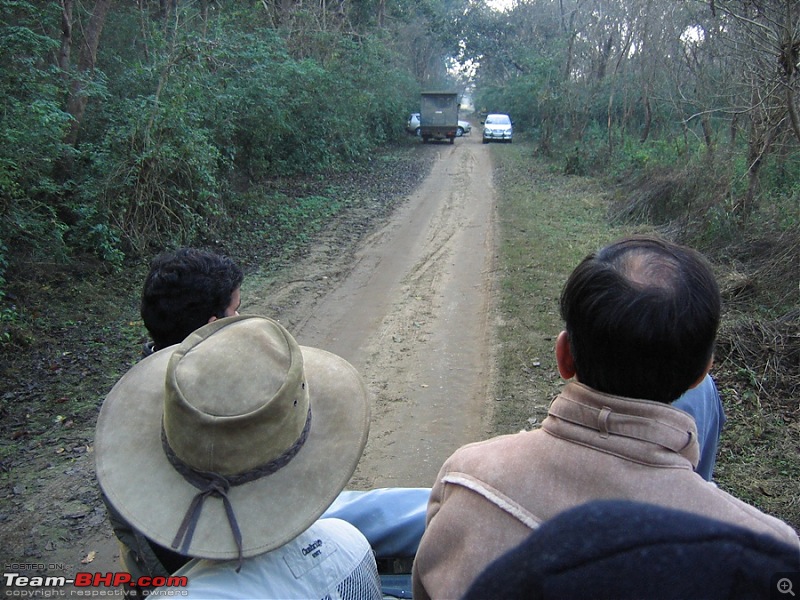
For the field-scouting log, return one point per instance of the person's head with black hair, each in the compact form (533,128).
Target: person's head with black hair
(641,318)
(186,289)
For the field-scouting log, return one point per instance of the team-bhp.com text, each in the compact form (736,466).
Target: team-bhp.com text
(18,585)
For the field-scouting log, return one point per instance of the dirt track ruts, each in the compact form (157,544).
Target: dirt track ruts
(411,310)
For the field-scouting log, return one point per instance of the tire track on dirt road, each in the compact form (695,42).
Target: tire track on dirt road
(410,308)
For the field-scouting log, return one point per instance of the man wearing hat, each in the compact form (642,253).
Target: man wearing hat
(241,439)
(184,290)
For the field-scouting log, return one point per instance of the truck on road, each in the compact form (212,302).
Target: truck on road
(438,118)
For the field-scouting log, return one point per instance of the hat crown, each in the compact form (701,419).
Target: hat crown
(238,403)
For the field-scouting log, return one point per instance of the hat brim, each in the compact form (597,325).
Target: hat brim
(142,485)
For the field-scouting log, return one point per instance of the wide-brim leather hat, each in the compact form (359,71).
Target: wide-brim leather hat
(233,442)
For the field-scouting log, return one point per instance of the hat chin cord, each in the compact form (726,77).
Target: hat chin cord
(213,484)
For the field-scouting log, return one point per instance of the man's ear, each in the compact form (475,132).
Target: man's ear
(703,376)
(564,360)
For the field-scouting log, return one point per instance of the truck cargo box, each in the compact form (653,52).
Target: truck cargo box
(438,116)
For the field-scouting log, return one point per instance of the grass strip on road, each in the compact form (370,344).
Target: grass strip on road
(547,222)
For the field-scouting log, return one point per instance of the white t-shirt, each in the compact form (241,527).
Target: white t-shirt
(329,560)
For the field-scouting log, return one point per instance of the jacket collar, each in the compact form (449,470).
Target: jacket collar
(621,425)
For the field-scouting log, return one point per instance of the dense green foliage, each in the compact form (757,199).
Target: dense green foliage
(130,127)
(32,126)
(184,111)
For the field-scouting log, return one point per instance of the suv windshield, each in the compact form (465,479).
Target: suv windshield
(498,120)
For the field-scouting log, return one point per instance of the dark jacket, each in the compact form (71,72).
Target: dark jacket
(628,550)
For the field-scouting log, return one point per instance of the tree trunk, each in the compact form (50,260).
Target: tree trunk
(166,8)
(381,13)
(204,15)
(795,121)
(604,57)
(734,130)
(760,145)
(66,37)
(569,32)
(610,123)
(285,11)
(76,105)
(708,132)
(648,118)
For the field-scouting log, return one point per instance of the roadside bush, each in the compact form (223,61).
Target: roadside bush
(153,179)
(379,93)
(239,109)
(587,156)
(659,195)
(32,126)
(780,182)
(697,203)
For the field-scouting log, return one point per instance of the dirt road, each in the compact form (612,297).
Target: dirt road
(409,305)
(410,308)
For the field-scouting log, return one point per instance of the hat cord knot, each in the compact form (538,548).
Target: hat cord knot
(209,484)
(213,484)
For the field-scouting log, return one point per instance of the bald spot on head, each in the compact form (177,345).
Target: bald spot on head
(647,269)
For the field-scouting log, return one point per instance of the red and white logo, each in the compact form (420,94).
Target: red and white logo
(16,581)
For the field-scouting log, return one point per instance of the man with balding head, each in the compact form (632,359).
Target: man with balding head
(641,320)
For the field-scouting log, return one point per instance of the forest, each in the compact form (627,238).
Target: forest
(134,125)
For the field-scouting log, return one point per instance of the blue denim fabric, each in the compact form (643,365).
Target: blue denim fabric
(392,519)
(704,404)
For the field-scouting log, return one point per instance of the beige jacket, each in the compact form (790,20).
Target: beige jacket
(490,495)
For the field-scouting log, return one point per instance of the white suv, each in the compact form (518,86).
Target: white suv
(497,127)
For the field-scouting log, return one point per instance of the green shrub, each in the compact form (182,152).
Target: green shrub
(32,127)
(154,178)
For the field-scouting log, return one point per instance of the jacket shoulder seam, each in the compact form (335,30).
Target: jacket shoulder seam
(495,496)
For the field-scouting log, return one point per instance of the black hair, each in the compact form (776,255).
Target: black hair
(642,316)
(183,290)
